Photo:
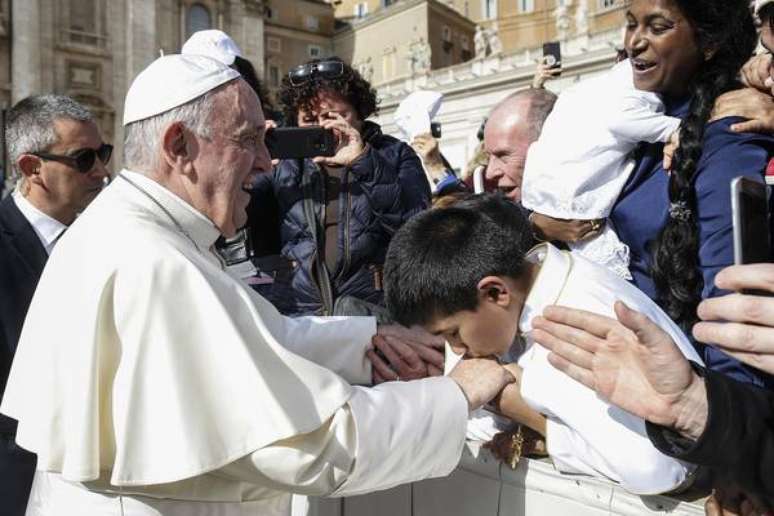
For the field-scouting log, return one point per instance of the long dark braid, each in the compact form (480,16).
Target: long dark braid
(725,27)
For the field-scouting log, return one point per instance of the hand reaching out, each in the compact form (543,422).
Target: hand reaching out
(427,148)
(631,362)
(481,380)
(741,325)
(748,103)
(544,72)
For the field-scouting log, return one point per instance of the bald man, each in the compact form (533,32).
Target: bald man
(513,125)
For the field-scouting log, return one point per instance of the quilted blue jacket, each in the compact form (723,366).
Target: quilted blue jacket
(380,191)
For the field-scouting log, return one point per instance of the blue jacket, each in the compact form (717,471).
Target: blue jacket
(381,190)
(642,211)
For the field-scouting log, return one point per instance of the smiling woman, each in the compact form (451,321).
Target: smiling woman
(663,48)
(678,225)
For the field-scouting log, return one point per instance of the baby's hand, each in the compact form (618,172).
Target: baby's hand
(670,148)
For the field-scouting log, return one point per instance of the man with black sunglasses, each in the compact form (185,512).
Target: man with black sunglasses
(57,152)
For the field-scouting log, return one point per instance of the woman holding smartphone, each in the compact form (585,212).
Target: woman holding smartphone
(335,215)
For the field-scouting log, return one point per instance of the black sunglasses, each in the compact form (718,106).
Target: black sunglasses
(325,69)
(81,160)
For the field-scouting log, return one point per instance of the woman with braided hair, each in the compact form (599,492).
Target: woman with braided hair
(677,223)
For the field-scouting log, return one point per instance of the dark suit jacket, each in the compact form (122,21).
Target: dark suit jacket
(22,257)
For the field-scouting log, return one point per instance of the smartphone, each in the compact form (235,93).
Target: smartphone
(750,214)
(552,52)
(300,142)
(435,130)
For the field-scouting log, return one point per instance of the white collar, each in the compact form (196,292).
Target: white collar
(551,279)
(198,227)
(46,227)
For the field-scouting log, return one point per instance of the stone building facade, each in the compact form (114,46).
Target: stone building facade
(295,31)
(472,89)
(92,49)
(407,39)
(517,24)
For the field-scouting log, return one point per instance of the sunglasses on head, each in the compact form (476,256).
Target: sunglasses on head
(81,160)
(325,69)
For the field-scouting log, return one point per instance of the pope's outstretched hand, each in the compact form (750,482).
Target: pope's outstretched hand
(481,380)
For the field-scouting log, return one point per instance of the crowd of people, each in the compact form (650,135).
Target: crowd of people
(589,299)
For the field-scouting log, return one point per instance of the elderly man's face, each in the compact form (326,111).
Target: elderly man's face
(507,138)
(230,160)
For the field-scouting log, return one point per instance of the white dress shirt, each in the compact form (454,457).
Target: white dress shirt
(47,228)
(579,164)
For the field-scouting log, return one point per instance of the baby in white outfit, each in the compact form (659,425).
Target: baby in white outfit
(580,163)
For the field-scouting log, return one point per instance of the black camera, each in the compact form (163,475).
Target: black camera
(300,142)
(435,130)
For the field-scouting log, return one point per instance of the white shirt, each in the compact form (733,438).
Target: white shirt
(47,228)
(148,377)
(585,433)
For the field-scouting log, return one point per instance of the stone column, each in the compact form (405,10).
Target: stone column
(247,30)
(25,49)
(141,41)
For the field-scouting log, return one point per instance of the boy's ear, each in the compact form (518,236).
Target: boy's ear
(494,290)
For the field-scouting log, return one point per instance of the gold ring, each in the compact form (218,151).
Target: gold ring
(595,225)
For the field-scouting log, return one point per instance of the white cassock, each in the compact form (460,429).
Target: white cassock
(151,382)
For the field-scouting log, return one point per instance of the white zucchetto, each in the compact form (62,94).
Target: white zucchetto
(212,43)
(171,81)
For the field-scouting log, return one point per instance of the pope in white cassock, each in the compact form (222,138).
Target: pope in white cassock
(151,382)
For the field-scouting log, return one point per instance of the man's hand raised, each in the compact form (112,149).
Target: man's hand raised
(630,362)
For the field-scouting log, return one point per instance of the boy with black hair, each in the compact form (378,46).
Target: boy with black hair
(467,273)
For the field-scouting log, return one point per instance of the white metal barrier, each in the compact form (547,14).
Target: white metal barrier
(482,486)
